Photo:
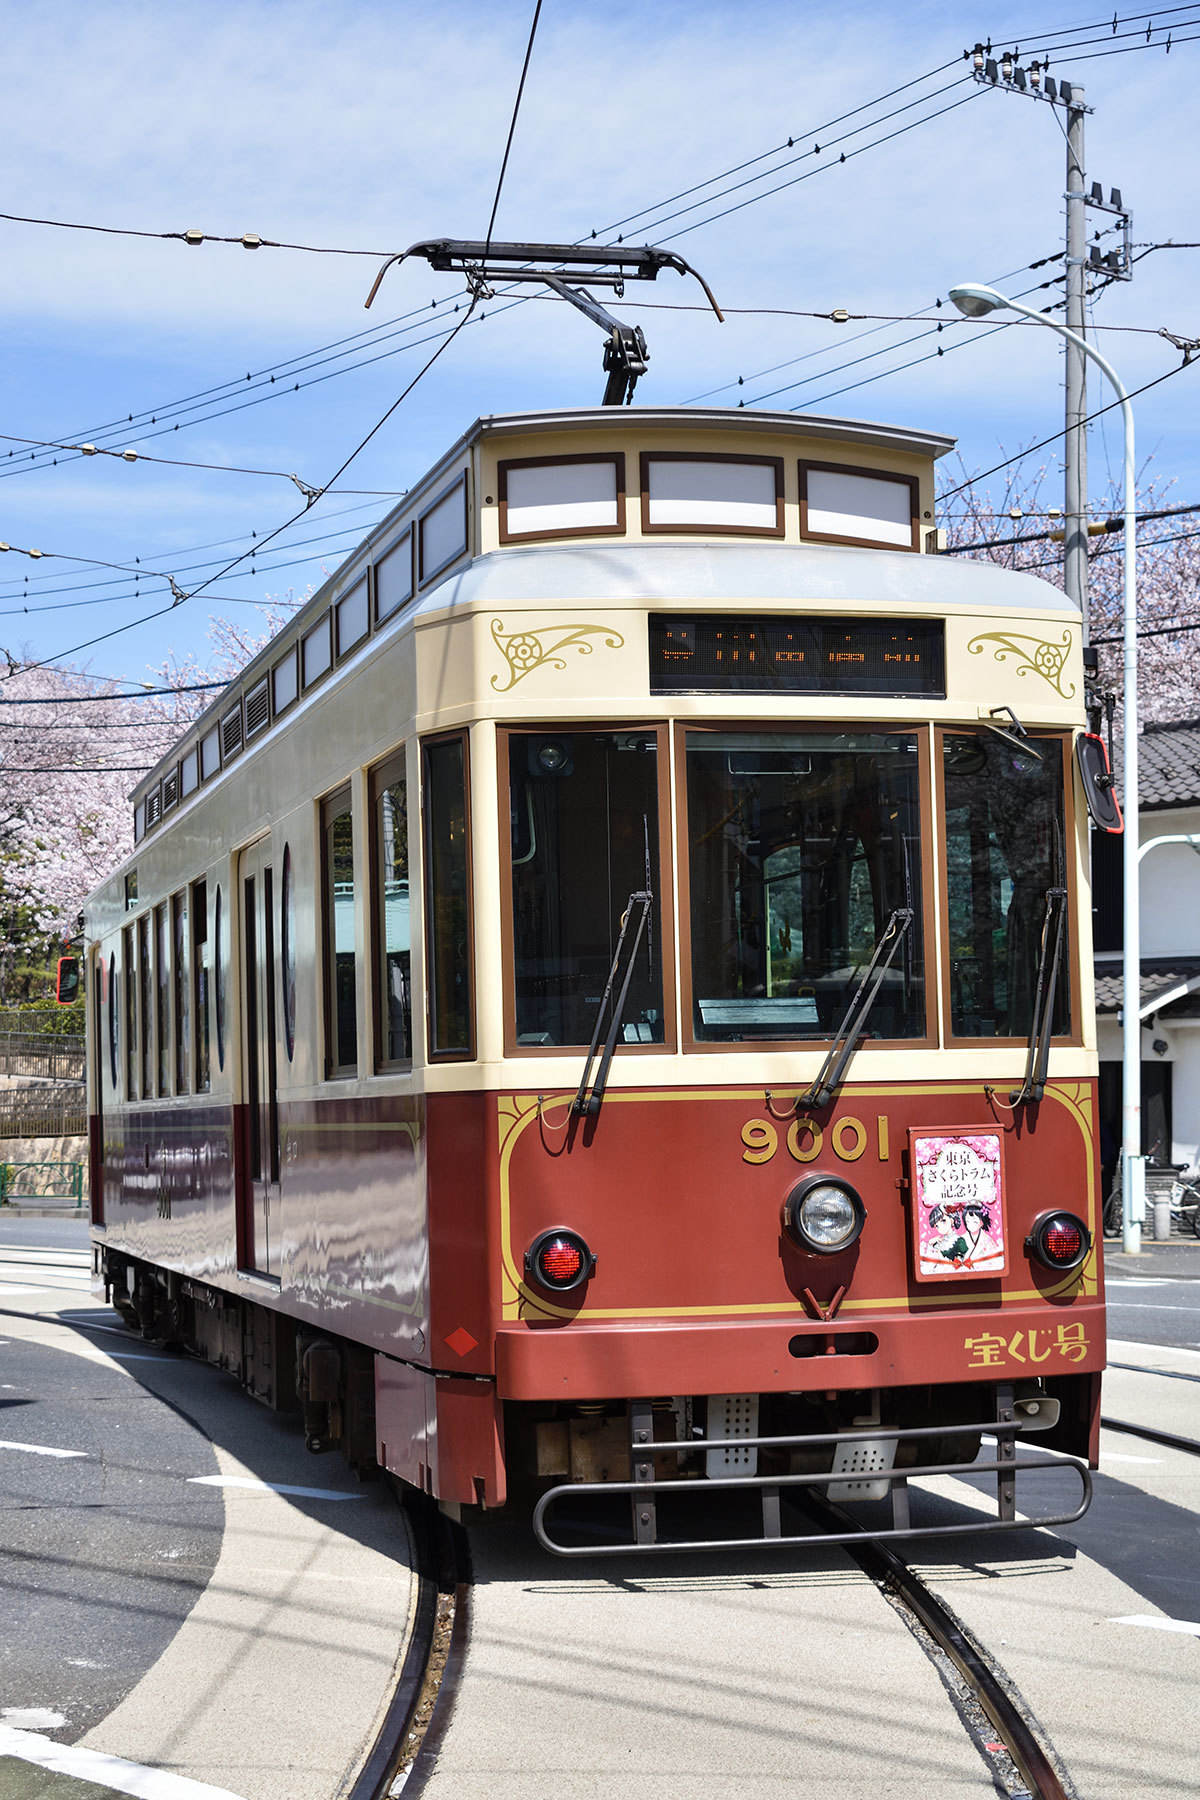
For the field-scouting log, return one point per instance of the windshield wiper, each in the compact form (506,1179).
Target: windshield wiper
(586,1104)
(845,1043)
(1054,918)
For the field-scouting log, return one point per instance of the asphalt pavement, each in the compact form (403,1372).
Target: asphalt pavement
(1154,1298)
(191,1606)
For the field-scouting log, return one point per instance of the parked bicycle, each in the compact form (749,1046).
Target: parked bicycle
(1184,1197)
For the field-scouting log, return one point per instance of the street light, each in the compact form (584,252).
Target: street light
(975,301)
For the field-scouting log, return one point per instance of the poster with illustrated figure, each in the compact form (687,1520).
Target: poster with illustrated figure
(958,1203)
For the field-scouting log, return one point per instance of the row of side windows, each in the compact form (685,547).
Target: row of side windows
(168,1002)
(447,920)
(173,1014)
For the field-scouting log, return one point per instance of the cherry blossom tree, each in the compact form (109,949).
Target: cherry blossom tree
(71,749)
(1012,525)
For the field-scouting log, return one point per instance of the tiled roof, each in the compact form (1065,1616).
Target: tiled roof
(1168,764)
(1161,975)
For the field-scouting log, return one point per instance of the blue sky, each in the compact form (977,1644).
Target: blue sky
(369,126)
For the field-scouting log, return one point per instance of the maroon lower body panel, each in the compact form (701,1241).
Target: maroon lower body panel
(440,1433)
(754,1356)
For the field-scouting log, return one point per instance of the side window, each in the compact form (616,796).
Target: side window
(183,1010)
(131,1042)
(145,1007)
(390,912)
(219,961)
(162,1012)
(341,950)
(114,1020)
(288,934)
(447,898)
(201,982)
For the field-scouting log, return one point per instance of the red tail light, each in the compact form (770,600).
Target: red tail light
(559,1260)
(1059,1240)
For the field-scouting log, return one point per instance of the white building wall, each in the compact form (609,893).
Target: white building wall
(1170,888)
(1182,1038)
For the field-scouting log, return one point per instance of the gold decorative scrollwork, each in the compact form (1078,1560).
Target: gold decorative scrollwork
(542,647)
(1034,655)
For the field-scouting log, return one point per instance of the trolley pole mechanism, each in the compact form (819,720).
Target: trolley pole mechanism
(484,265)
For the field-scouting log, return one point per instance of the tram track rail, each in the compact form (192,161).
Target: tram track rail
(1145,1369)
(994,1714)
(1152,1435)
(418,1711)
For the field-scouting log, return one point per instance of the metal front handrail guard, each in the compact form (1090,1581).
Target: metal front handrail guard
(1003,1466)
(841,1050)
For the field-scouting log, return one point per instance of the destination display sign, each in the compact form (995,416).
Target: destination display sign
(808,655)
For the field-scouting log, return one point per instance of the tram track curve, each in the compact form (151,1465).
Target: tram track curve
(422,1698)
(1008,1736)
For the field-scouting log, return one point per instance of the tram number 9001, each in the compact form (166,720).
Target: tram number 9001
(805,1139)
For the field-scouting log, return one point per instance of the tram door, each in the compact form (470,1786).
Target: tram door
(260,1237)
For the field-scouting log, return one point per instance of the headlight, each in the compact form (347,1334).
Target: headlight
(824,1215)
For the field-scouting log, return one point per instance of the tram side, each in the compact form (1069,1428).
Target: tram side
(342,1001)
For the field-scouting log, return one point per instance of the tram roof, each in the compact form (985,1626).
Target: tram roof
(723,418)
(703,571)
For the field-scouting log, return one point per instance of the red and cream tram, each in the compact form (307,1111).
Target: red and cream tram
(601,1006)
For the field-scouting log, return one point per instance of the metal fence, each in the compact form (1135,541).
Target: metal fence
(43,1021)
(58,1183)
(43,1111)
(47,1057)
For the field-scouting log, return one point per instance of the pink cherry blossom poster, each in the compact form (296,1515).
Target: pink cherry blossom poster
(958,1203)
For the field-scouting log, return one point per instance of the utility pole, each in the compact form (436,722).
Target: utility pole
(1075,504)
(1004,71)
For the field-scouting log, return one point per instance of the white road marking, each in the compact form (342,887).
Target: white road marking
(1187,1626)
(1153,1306)
(271,1487)
(32,1718)
(7,1288)
(39,1449)
(105,1771)
(1138,1281)
(1116,1456)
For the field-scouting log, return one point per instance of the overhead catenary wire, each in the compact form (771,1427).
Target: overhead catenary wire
(346,462)
(512,126)
(28,583)
(643,214)
(1041,444)
(160,612)
(175,462)
(1111,525)
(149,693)
(912,124)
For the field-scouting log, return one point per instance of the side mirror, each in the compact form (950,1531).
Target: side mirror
(1099,788)
(67,989)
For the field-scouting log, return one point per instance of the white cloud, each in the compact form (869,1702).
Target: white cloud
(374,124)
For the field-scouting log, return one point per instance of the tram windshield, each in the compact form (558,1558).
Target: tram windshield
(1004,849)
(801,847)
(584,821)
